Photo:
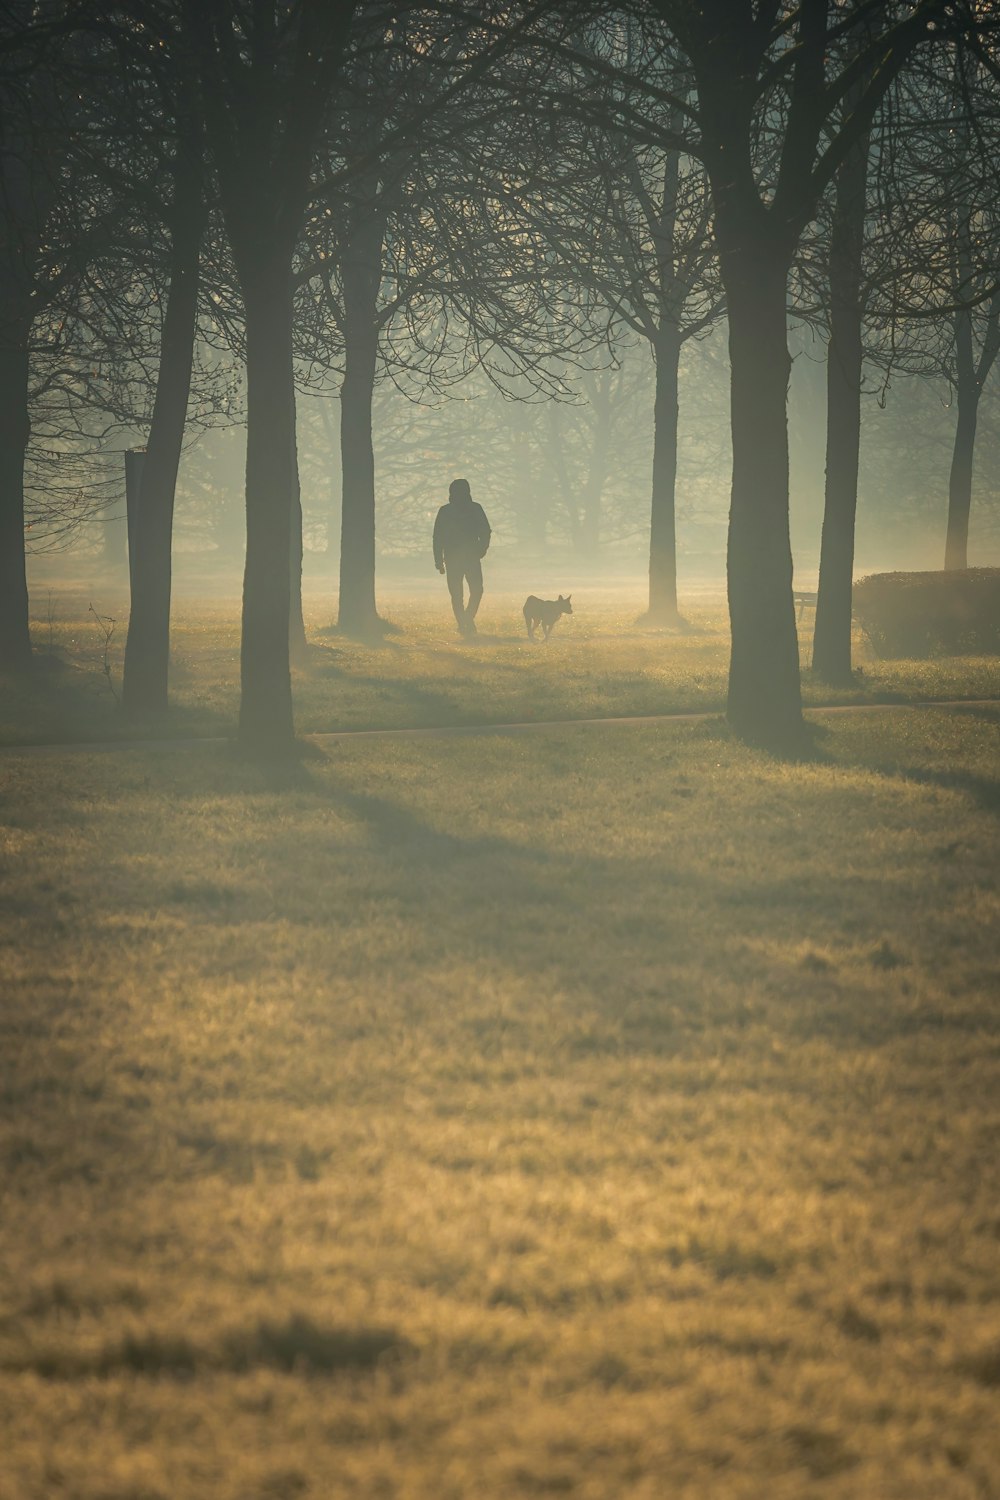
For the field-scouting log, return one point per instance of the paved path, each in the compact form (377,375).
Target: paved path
(529,727)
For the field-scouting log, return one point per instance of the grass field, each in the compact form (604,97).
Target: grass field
(598,663)
(610,1113)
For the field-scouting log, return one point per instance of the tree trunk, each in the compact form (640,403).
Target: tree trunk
(361,271)
(956,552)
(147,646)
(832,632)
(662,520)
(31,148)
(15,638)
(266,723)
(296,622)
(765,698)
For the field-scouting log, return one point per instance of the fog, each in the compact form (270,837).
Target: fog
(531,462)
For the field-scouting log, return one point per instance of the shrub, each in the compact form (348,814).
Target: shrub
(930,614)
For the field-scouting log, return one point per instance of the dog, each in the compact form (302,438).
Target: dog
(545,612)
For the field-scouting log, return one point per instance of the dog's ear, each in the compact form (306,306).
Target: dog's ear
(560,599)
(568,598)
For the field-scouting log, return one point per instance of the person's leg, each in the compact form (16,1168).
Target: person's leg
(474,573)
(456,588)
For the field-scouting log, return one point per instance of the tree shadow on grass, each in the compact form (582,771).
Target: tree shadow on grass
(421,705)
(807,746)
(378,635)
(296,1345)
(984,712)
(322,661)
(408,703)
(670,625)
(984,791)
(61,703)
(396,830)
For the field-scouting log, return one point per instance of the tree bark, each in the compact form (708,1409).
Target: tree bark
(147,646)
(663,521)
(15,428)
(266,723)
(832,631)
(765,698)
(361,271)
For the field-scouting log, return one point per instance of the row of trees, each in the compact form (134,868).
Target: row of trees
(566,483)
(338,192)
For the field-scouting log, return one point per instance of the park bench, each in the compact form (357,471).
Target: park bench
(804,599)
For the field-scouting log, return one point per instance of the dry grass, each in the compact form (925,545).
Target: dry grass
(599,663)
(611,1113)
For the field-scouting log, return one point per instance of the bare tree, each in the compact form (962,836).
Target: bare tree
(37,258)
(636,229)
(267,72)
(974,275)
(779,73)
(426,272)
(911,286)
(831,657)
(155,59)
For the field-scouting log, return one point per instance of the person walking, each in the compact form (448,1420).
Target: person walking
(461,541)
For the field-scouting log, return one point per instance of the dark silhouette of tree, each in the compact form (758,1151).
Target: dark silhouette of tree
(426,274)
(911,274)
(267,72)
(636,229)
(973,229)
(37,258)
(767,72)
(172,99)
(831,658)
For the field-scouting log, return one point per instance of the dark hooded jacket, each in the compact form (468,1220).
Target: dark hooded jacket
(461,532)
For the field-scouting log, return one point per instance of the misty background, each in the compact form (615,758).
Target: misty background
(535,466)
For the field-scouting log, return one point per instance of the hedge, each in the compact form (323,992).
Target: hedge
(930,614)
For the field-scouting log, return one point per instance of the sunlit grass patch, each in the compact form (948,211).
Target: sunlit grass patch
(610,1112)
(599,663)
